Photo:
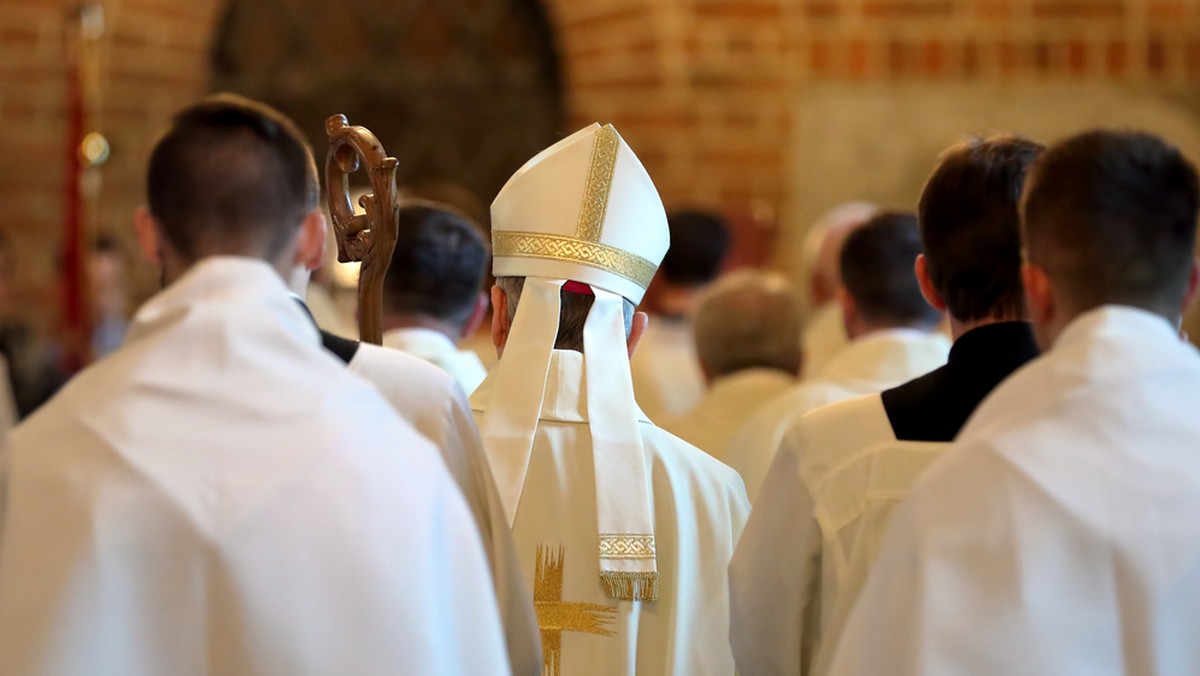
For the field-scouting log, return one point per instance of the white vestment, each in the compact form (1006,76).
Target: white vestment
(873,363)
(823,339)
(221,496)
(1060,535)
(699,508)
(667,379)
(837,475)
(435,348)
(725,408)
(432,401)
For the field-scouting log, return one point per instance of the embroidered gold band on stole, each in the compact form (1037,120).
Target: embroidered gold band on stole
(599,184)
(617,546)
(534,245)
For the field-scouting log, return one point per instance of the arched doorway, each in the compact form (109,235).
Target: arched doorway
(462,91)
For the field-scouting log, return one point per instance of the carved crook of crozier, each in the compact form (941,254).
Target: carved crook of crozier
(369,238)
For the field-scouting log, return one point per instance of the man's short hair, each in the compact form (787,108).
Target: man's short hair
(572,314)
(1111,217)
(749,319)
(699,241)
(970,226)
(438,265)
(877,270)
(231,175)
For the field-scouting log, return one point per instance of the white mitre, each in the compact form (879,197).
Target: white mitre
(585,211)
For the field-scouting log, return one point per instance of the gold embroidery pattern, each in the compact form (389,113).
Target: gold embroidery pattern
(626,546)
(532,245)
(599,184)
(556,616)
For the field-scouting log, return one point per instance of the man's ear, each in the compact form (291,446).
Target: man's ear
(1193,284)
(931,295)
(149,240)
(310,241)
(640,321)
(849,311)
(500,323)
(1039,293)
(477,315)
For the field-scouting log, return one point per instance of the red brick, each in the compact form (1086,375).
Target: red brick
(1079,9)
(970,58)
(818,57)
(857,59)
(1156,56)
(1077,57)
(933,58)
(739,9)
(1116,57)
(908,8)
(822,9)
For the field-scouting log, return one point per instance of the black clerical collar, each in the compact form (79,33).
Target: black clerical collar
(935,406)
(342,348)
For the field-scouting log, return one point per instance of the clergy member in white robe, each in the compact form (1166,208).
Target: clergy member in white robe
(1059,535)
(667,379)
(431,400)
(432,295)
(841,470)
(623,531)
(825,334)
(894,340)
(747,335)
(221,495)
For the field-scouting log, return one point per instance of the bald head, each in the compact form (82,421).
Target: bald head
(823,247)
(749,319)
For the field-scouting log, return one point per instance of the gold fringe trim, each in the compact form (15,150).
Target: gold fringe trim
(630,586)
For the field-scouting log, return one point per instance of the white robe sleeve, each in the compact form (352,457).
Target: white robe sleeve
(463,450)
(775,575)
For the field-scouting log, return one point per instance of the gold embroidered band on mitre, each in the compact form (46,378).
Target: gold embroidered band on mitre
(599,184)
(554,247)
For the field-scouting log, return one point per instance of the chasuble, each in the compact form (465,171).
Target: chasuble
(699,507)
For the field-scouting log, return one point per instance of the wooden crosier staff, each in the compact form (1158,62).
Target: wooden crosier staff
(370,237)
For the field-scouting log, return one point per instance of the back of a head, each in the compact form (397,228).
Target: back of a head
(749,319)
(438,265)
(231,176)
(823,247)
(970,226)
(877,271)
(699,242)
(1110,216)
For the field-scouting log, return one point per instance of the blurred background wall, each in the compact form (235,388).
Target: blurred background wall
(769,110)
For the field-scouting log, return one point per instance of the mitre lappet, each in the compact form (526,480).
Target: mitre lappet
(583,213)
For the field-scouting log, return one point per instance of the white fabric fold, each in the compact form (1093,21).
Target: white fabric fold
(516,404)
(628,561)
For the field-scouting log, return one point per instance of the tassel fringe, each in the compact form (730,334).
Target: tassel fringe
(630,586)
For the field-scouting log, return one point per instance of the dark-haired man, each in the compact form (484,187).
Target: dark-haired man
(1059,535)
(221,495)
(666,374)
(841,469)
(893,339)
(432,296)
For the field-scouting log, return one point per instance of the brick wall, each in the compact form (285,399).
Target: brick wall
(704,90)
